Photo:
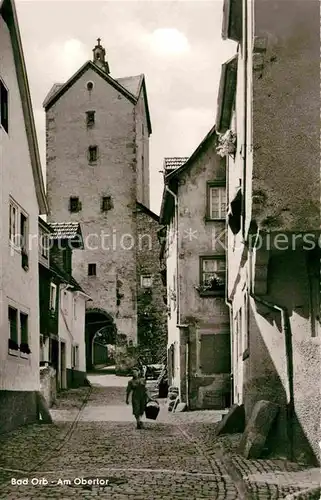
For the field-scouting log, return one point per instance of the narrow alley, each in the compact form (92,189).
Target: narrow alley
(93,449)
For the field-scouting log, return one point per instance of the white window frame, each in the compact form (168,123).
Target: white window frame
(145,277)
(13,222)
(218,272)
(53,297)
(44,244)
(221,202)
(75,356)
(74,306)
(15,225)
(19,310)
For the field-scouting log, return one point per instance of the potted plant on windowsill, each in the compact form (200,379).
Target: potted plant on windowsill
(24,350)
(215,286)
(13,347)
(227,144)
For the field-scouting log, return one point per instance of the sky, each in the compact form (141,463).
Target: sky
(176,44)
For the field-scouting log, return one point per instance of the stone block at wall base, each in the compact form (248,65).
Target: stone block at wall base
(17,408)
(43,409)
(233,422)
(48,384)
(258,428)
(75,378)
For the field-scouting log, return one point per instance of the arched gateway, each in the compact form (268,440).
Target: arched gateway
(98,323)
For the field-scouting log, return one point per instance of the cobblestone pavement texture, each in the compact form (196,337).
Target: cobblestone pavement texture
(176,457)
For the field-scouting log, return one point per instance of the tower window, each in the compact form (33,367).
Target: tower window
(92,269)
(90,118)
(106,203)
(74,204)
(92,153)
(90,86)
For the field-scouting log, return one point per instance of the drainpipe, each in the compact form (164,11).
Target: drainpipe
(245,55)
(177,259)
(179,325)
(286,328)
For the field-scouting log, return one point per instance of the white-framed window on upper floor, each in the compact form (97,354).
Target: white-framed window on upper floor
(212,274)
(4,107)
(44,244)
(216,200)
(18,332)
(13,222)
(53,297)
(19,231)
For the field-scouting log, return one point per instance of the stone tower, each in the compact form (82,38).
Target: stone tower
(97,138)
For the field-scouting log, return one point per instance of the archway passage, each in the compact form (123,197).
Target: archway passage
(101,330)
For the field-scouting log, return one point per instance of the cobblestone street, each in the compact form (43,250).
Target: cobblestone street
(94,438)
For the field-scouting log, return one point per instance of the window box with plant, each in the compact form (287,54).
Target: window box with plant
(13,347)
(212,271)
(227,144)
(24,350)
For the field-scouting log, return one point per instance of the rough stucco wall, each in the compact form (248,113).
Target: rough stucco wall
(200,238)
(69,174)
(148,250)
(173,334)
(142,152)
(286,115)
(21,287)
(266,375)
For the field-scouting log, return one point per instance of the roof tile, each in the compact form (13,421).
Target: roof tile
(64,230)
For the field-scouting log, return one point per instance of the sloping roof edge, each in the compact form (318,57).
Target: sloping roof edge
(143,88)
(9,14)
(49,101)
(193,156)
(45,225)
(167,205)
(148,211)
(226,94)
(63,276)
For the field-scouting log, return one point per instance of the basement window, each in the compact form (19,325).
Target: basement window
(92,269)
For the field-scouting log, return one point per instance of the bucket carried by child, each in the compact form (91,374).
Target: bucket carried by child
(152,410)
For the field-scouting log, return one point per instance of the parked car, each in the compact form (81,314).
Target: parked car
(153,371)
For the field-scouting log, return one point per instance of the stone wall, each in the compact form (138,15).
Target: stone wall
(151,308)
(48,384)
